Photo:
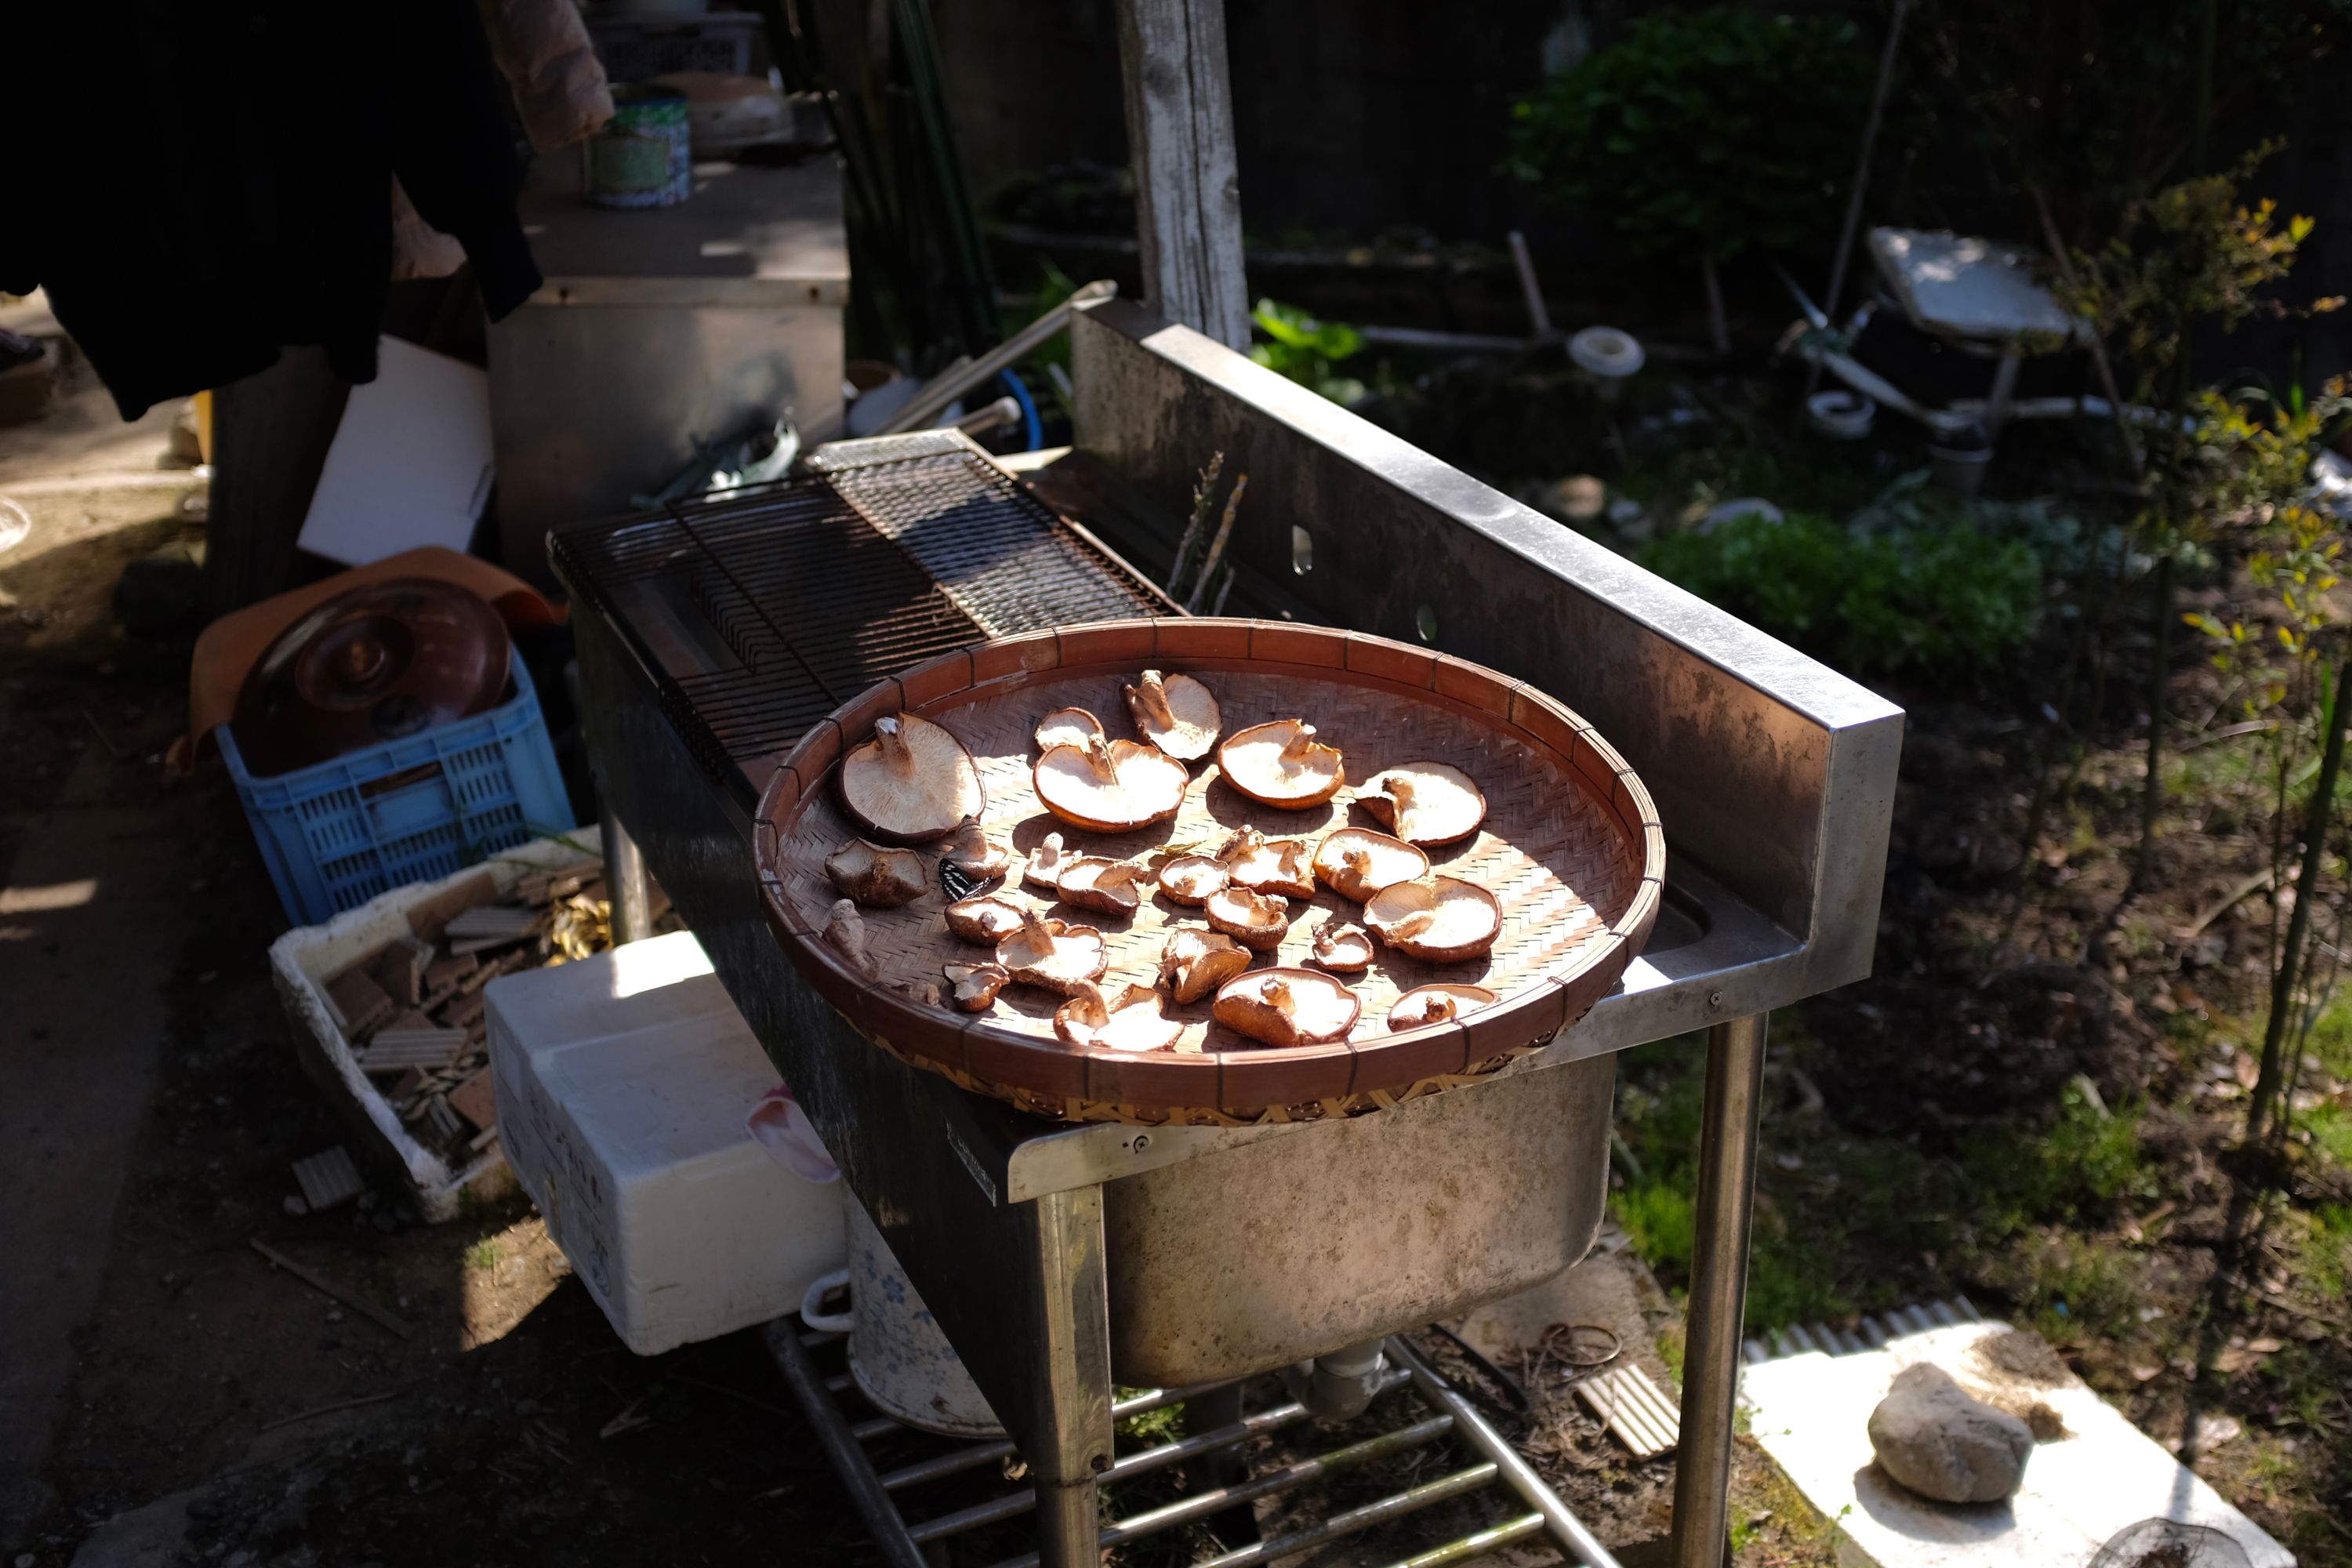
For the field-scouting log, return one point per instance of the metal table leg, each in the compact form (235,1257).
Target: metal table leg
(1718,1295)
(625,881)
(1066,1436)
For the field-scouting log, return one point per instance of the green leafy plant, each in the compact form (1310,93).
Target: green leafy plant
(1308,350)
(1930,602)
(1702,135)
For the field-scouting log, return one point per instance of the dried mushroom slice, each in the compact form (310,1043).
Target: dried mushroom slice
(1196,962)
(1282,764)
(1046,862)
(972,986)
(1257,920)
(1426,1004)
(1110,788)
(986,919)
(912,783)
(1425,803)
(1052,955)
(1127,1020)
(1287,1007)
(1342,948)
(1175,713)
(975,854)
(1444,919)
(871,875)
(1094,883)
(845,932)
(1266,865)
(1357,862)
(1189,878)
(1069,727)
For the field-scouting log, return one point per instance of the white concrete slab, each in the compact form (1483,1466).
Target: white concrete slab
(1810,1411)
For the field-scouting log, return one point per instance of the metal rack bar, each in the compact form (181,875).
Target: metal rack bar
(850,1462)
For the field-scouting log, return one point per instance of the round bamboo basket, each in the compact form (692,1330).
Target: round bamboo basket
(1570,847)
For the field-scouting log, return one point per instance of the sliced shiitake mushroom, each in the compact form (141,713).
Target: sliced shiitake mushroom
(986,919)
(972,986)
(1257,920)
(1287,1007)
(1425,803)
(912,783)
(1191,879)
(1342,948)
(882,879)
(1046,862)
(1358,862)
(1282,764)
(1128,1019)
(1195,962)
(1426,1004)
(1266,865)
(1175,713)
(845,932)
(1069,727)
(1054,955)
(1110,788)
(975,854)
(1092,882)
(1440,917)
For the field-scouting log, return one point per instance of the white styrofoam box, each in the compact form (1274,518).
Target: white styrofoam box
(623,1085)
(300,962)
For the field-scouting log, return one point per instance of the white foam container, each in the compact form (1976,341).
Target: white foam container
(623,1085)
(300,963)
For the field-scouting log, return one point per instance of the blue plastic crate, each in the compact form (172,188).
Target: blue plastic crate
(334,835)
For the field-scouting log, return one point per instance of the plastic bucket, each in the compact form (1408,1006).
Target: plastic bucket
(901,1362)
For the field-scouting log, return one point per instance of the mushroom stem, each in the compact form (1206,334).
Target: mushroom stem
(1097,754)
(1293,755)
(895,750)
(1152,692)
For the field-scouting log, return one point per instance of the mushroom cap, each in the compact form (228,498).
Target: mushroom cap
(911,782)
(1196,962)
(972,986)
(1046,862)
(986,919)
(1358,862)
(884,878)
(1266,865)
(1054,955)
(1092,882)
(1112,788)
(1069,727)
(1287,1007)
(975,854)
(1440,918)
(1426,1004)
(1282,764)
(1177,714)
(1343,948)
(1127,1020)
(1425,803)
(1191,879)
(1257,920)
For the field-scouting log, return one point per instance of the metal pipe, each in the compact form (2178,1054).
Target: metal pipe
(978,1454)
(625,881)
(1477,1545)
(1158,1457)
(874,1505)
(1718,1293)
(990,416)
(1287,1479)
(1567,1532)
(943,389)
(1531,290)
(1356,1519)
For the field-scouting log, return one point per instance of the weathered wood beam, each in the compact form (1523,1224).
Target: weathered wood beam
(1180,134)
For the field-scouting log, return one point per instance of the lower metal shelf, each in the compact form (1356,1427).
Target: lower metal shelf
(909,1537)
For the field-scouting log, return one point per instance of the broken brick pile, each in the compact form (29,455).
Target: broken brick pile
(411,1009)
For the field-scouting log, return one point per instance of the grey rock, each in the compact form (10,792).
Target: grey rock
(1931,1436)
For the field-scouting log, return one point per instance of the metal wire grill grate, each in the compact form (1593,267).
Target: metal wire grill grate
(762,611)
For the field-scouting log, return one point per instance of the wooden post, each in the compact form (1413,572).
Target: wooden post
(1180,136)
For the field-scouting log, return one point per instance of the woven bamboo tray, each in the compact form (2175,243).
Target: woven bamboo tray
(1571,847)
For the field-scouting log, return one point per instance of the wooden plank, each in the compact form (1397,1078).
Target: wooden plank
(1180,137)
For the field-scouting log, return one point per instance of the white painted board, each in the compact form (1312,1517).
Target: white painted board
(411,463)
